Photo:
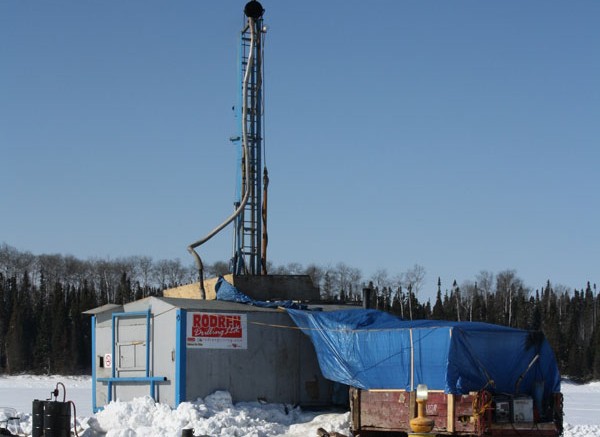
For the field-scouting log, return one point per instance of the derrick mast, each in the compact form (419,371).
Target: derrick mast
(250,207)
(249,239)
(248,265)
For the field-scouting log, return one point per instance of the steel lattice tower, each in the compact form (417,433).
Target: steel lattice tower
(248,246)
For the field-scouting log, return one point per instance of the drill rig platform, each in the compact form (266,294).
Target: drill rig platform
(258,287)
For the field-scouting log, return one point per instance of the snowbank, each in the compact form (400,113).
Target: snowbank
(216,415)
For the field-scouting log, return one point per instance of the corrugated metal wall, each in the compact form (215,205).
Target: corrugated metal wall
(275,362)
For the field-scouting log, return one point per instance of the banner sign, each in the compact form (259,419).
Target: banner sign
(216,330)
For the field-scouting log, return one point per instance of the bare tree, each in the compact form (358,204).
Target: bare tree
(414,279)
(294,268)
(355,278)
(316,273)
(143,267)
(169,273)
(219,268)
(457,298)
(176,272)
(397,294)
(380,279)
(508,286)
(75,271)
(485,284)
(51,266)
(13,262)
(106,276)
(470,290)
(415,276)
(191,274)
(561,290)
(343,275)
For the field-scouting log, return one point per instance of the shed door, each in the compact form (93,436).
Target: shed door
(131,347)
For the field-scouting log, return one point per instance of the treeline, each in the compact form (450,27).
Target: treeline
(42,299)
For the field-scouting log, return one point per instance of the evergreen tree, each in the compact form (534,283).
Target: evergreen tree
(41,347)
(124,292)
(42,328)
(479,309)
(438,308)
(3,324)
(58,328)
(535,320)
(16,340)
(327,287)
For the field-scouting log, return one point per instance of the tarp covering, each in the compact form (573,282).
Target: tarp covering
(227,292)
(370,349)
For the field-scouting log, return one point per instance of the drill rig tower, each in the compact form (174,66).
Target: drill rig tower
(248,265)
(249,214)
(250,236)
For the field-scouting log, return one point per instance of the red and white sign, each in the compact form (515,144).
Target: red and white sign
(216,331)
(107,361)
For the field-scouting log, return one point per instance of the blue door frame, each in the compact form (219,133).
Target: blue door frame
(115,379)
(180,357)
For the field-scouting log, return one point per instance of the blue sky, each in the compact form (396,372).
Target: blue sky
(461,136)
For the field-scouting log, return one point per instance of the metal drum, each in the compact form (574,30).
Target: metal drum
(57,419)
(37,418)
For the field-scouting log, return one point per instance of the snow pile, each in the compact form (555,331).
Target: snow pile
(581,431)
(217,415)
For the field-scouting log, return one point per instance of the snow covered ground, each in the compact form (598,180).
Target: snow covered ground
(217,416)
(582,409)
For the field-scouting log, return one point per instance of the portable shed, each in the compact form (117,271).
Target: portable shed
(178,350)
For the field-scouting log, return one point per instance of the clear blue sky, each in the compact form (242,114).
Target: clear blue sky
(459,135)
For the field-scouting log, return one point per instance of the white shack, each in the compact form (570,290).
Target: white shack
(176,350)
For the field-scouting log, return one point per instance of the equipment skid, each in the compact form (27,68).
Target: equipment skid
(378,413)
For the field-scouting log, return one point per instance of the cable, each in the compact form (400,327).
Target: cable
(265,234)
(55,392)
(246,157)
(74,418)
(263,102)
(64,390)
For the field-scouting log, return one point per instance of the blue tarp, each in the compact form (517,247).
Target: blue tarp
(370,349)
(227,292)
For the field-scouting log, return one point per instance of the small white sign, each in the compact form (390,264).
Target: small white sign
(107,361)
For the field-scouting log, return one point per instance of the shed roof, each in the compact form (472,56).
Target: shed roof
(197,304)
(108,307)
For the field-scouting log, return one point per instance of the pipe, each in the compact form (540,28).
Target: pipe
(522,375)
(265,237)
(240,208)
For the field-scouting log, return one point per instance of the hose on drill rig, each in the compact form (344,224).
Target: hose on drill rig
(192,247)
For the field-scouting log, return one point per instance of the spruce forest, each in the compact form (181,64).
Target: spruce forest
(42,299)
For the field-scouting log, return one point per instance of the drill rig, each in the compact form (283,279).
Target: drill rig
(250,225)
(248,264)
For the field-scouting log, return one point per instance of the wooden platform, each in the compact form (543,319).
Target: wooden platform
(267,287)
